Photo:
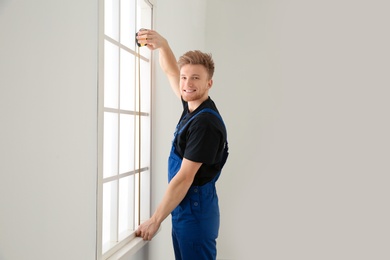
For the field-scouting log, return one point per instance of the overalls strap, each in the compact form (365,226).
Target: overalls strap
(211,111)
(204,110)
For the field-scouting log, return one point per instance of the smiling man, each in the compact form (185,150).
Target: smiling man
(199,151)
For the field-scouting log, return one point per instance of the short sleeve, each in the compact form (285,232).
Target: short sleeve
(204,140)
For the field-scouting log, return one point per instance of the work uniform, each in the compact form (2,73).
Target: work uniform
(200,136)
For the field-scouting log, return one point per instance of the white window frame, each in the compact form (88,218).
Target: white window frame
(125,243)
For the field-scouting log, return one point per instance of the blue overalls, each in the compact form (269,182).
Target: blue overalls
(195,221)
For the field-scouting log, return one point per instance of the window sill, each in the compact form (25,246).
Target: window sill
(129,249)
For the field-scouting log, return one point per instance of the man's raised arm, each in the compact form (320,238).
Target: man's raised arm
(167,59)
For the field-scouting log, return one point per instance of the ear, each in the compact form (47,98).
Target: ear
(210,83)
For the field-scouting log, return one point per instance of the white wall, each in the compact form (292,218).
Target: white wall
(304,89)
(48,133)
(302,86)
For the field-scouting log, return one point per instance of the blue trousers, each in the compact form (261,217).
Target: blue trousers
(195,221)
(195,224)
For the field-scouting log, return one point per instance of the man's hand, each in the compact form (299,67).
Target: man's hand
(151,38)
(148,229)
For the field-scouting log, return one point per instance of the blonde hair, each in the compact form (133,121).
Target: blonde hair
(197,58)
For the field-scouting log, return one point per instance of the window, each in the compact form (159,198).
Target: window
(124,124)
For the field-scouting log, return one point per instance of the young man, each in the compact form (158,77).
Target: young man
(199,151)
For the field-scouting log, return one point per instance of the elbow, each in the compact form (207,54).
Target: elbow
(183,180)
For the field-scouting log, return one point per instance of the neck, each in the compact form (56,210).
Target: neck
(193,105)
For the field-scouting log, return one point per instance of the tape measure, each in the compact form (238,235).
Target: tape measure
(140,44)
(138,64)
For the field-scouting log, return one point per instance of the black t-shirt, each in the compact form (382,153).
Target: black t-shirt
(202,140)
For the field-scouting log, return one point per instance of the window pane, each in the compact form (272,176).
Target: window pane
(111,78)
(145,141)
(128,23)
(126,162)
(145,195)
(110,145)
(111,18)
(106,212)
(126,204)
(144,20)
(145,86)
(127,81)
(109,213)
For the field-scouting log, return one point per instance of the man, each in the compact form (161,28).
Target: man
(199,151)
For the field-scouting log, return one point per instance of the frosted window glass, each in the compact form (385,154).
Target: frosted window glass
(145,86)
(106,213)
(144,19)
(145,195)
(127,81)
(126,162)
(111,75)
(110,143)
(127,23)
(126,204)
(145,141)
(111,18)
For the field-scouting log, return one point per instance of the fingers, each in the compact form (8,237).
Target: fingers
(144,234)
(150,38)
(147,237)
(143,36)
(147,230)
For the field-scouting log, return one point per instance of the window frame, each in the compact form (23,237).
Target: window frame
(130,243)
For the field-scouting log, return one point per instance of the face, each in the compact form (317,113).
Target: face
(194,83)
